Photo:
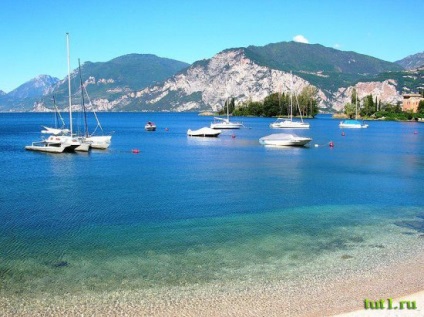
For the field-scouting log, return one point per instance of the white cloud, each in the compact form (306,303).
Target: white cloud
(337,46)
(301,39)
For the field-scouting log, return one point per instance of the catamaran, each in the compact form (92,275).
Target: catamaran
(61,140)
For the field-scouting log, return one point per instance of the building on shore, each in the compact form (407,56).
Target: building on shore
(411,102)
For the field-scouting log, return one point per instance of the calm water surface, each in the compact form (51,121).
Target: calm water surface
(194,210)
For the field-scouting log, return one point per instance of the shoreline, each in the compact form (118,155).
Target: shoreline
(341,295)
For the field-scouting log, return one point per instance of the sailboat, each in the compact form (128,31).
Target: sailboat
(61,140)
(101,142)
(225,123)
(288,123)
(353,124)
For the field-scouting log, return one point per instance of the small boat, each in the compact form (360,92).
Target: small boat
(222,123)
(288,123)
(284,139)
(353,124)
(284,123)
(150,126)
(204,132)
(225,123)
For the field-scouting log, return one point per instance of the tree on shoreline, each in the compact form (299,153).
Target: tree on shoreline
(277,104)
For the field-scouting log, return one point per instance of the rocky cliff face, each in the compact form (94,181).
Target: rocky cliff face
(384,91)
(207,84)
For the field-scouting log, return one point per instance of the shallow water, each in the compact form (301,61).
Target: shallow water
(189,211)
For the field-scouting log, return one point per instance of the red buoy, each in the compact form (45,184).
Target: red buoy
(343,134)
(135,151)
(331,144)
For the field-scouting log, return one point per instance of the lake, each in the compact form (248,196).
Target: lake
(196,211)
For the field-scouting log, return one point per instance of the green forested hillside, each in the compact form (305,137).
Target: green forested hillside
(324,67)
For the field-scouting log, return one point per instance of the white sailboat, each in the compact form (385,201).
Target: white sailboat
(288,123)
(101,142)
(61,140)
(353,124)
(225,123)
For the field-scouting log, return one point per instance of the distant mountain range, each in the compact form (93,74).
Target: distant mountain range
(144,82)
(412,62)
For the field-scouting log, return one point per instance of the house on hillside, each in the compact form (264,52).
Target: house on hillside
(411,101)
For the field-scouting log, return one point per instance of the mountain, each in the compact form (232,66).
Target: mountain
(39,86)
(412,61)
(143,82)
(106,81)
(252,73)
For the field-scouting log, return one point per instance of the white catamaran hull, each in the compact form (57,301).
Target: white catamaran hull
(46,147)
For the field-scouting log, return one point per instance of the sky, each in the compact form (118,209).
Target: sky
(33,32)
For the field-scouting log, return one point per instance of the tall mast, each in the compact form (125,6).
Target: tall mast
(291,96)
(69,84)
(356,106)
(82,100)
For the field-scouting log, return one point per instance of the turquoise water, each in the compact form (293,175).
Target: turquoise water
(189,211)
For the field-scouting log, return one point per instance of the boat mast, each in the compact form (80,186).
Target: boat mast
(291,97)
(82,100)
(356,106)
(69,83)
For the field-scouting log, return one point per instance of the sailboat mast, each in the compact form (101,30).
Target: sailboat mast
(69,83)
(82,100)
(356,106)
(291,97)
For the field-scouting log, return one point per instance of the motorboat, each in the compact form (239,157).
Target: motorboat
(284,139)
(150,126)
(204,132)
(352,124)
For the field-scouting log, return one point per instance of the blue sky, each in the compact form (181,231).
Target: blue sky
(33,32)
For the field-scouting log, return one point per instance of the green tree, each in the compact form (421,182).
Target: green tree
(350,110)
(368,108)
(420,108)
(354,96)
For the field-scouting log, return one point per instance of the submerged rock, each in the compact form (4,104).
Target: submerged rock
(61,264)
(417,225)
